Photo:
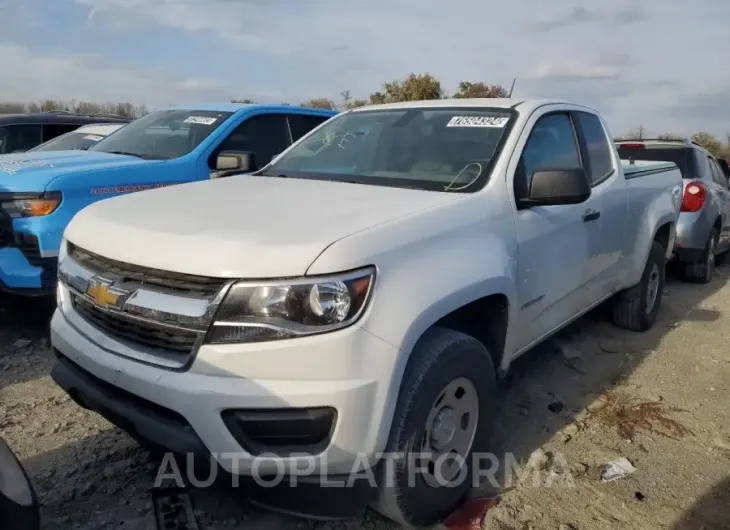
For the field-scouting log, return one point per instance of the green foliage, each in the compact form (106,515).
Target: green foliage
(320,103)
(709,142)
(415,87)
(467,89)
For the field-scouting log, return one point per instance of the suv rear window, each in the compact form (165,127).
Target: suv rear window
(682,156)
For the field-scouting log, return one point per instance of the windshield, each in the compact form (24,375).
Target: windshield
(163,134)
(68,142)
(434,148)
(3,138)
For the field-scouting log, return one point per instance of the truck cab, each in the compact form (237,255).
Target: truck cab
(351,305)
(41,191)
(21,132)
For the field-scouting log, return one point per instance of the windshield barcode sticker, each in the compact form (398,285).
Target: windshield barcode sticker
(477,121)
(93,137)
(201,120)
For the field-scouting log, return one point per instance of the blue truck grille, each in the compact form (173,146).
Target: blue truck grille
(28,245)
(6,230)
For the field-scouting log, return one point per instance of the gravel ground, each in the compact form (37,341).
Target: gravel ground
(554,421)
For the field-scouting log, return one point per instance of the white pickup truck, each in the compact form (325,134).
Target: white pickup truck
(360,295)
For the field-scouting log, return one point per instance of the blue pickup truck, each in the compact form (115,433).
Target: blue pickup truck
(40,192)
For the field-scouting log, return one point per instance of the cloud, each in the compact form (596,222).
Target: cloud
(580,15)
(28,76)
(605,55)
(571,71)
(697,109)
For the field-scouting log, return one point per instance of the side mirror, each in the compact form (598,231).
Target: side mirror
(239,161)
(559,186)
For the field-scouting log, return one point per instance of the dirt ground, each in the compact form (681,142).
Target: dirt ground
(660,399)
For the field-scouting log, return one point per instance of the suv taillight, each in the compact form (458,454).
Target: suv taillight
(695,194)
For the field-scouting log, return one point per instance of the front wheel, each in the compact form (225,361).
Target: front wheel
(636,308)
(442,423)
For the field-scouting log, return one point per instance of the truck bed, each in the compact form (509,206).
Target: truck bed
(639,168)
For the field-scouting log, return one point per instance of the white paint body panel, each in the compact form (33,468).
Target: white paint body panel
(434,253)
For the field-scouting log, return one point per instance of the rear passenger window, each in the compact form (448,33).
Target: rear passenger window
(551,145)
(599,150)
(301,124)
(717,174)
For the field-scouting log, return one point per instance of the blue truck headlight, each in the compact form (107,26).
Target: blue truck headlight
(30,204)
(255,311)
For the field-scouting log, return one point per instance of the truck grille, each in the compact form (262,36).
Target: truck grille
(6,230)
(172,281)
(28,245)
(136,332)
(158,332)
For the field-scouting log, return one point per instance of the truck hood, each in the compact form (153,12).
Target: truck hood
(36,171)
(239,227)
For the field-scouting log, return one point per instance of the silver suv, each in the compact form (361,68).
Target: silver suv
(703,230)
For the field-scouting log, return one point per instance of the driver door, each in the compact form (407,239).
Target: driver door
(556,244)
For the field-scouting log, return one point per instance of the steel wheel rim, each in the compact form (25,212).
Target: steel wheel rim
(652,290)
(450,431)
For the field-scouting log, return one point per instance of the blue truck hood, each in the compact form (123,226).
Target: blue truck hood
(35,171)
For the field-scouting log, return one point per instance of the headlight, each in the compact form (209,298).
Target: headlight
(263,311)
(30,204)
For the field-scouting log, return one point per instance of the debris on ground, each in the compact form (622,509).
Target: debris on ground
(538,460)
(629,415)
(617,469)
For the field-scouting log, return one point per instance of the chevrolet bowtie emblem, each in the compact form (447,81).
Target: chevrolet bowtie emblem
(103,293)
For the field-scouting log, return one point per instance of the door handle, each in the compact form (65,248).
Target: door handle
(591,215)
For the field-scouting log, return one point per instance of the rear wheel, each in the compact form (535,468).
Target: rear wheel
(704,270)
(636,308)
(442,418)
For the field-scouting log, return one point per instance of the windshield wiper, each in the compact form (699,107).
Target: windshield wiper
(124,153)
(277,175)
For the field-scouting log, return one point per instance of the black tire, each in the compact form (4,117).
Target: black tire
(631,307)
(19,508)
(704,270)
(440,357)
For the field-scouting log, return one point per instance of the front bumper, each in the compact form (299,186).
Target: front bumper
(349,370)
(19,276)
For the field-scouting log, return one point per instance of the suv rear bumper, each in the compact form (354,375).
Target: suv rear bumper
(693,231)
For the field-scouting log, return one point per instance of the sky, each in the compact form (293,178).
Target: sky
(659,64)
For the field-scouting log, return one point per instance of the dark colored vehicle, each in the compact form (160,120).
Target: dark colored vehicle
(20,132)
(18,502)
